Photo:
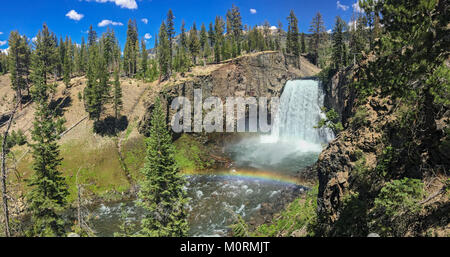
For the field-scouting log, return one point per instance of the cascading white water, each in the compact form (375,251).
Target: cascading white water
(294,142)
(299,113)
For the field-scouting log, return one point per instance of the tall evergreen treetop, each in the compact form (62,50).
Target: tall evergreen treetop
(18,62)
(164,52)
(317,29)
(131,51)
(45,55)
(92,36)
(48,188)
(162,192)
(339,48)
(293,43)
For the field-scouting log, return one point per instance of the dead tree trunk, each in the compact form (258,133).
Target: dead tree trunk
(3,174)
(78,201)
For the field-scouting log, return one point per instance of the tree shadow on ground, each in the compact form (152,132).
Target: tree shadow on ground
(59,105)
(110,126)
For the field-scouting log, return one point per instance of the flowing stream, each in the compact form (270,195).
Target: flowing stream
(262,175)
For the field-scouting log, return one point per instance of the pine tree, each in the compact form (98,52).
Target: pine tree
(109,45)
(83,57)
(339,49)
(227,48)
(267,36)
(292,44)
(66,62)
(357,38)
(181,61)
(92,36)
(236,26)
(211,35)
(48,189)
(144,59)
(183,38)
(194,43)
(46,52)
(90,99)
(406,53)
(153,70)
(303,44)
(317,29)
(164,53)
(371,11)
(61,57)
(3,63)
(218,38)
(203,37)
(71,54)
(162,192)
(18,61)
(279,36)
(97,89)
(131,51)
(170,26)
(117,98)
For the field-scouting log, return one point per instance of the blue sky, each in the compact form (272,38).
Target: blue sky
(73,17)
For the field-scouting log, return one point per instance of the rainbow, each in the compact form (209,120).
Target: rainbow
(250,174)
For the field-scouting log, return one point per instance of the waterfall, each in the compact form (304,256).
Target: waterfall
(299,112)
(294,142)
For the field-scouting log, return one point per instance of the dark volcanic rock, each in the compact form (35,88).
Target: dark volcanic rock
(258,75)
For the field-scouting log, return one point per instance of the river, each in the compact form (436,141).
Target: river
(262,173)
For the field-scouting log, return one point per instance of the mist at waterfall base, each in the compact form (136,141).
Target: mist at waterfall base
(294,142)
(262,174)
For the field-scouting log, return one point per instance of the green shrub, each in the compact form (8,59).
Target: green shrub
(439,84)
(18,137)
(353,218)
(240,228)
(396,205)
(190,154)
(331,121)
(14,138)
(360,117)
(299,216)
(385,162)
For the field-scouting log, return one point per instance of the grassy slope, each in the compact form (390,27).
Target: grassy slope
(93,157)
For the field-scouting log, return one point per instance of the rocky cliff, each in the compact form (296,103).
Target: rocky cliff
(259,75)
(383,140)
(338,95)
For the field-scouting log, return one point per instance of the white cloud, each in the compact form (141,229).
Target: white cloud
(128,4)
(356,7)
(5,51)
(147,36)
(1,33)
(253,11)
(105,23)
(34,39)
(341,6)
(73,15)
(2,43)
(273,28)
(352,24)
(145,20)
(329,31)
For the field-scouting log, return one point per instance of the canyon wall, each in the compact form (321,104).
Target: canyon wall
(259,75)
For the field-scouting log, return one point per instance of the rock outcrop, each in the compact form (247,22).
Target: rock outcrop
(338,95)
(259,75)
(350,169)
